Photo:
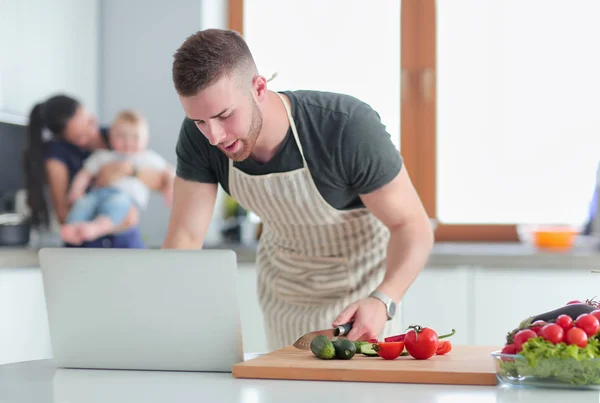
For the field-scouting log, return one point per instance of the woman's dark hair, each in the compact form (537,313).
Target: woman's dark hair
(53,114)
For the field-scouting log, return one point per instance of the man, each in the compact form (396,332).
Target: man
(345,233)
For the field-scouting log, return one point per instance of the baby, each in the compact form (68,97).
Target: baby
(102,210)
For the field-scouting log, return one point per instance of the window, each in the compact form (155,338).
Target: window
(518,129)
(497,97)
(336,45)
(503,123)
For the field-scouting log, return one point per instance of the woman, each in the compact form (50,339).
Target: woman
(62,134)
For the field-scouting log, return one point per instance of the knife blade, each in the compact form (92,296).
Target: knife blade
(303,343)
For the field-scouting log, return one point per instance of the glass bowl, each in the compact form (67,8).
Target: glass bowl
(548,237)
(514,369)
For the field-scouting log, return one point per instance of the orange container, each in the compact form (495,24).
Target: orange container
(554,238)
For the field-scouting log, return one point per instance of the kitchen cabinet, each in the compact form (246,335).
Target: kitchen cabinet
(440,298)
(24,332)
(48,47)
(481,303)
(253,331)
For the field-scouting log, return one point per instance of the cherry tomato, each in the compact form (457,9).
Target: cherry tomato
(444,347)
(553,333)
(589,324)
(596,313)
(537,326)
(564,321)
(389,350)
(522,336)
(576,336)
(509,349)
(581,316)
(573,302)
(421,342)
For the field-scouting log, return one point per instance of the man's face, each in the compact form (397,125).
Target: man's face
(227,115)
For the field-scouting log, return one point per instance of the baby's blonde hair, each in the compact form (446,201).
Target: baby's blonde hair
(135,118)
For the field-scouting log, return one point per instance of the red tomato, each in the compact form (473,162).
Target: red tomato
(589,324)
(522,336)
(509,349)
(573,302)
(596,313)
(444,347)
(553,333)
(564,321)
(576,336)
(389,350)
(537,326)
(421,343)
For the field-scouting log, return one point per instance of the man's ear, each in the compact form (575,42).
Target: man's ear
(259,87)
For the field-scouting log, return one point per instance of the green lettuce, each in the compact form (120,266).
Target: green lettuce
(560,362)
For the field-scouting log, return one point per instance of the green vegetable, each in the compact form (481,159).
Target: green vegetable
(358,344)
(556,362)
(322,347)
(344,349)
(368,350)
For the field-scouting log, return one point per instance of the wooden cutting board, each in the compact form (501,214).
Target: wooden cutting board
(464,365)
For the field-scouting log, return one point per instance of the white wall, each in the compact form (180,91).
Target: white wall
(48,46)
(138,40)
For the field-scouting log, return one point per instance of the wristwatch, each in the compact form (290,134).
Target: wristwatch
(389,303)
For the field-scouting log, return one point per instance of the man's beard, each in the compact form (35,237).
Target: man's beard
(247,144)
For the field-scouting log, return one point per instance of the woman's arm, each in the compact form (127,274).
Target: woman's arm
(58,179)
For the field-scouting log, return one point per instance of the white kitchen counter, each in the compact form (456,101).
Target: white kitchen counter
(40,382)
(11,257)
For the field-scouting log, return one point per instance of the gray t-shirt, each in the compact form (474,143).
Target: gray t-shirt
(128,184)
(346,146)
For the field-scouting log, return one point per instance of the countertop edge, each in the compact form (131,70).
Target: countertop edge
(443,255)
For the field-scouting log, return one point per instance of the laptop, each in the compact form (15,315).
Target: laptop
(142,309)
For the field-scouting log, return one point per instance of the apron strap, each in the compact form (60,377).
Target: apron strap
(293,126)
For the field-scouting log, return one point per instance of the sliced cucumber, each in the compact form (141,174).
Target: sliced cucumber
(367,349)
(358,344)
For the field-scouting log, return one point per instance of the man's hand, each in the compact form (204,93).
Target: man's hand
(369,316)
(110,173)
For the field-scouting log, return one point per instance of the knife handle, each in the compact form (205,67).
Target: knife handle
(342,330)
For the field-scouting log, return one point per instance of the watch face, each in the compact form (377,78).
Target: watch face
(392,309)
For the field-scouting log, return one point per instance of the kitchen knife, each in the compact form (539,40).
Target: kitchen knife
(303,343)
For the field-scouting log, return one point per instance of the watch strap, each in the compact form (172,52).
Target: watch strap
(386,299)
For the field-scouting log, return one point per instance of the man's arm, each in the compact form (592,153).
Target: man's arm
(398,206)
(193,205)
(374,169)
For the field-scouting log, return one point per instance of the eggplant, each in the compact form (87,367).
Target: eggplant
(573,310)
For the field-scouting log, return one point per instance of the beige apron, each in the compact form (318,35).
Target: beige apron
(313,260)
